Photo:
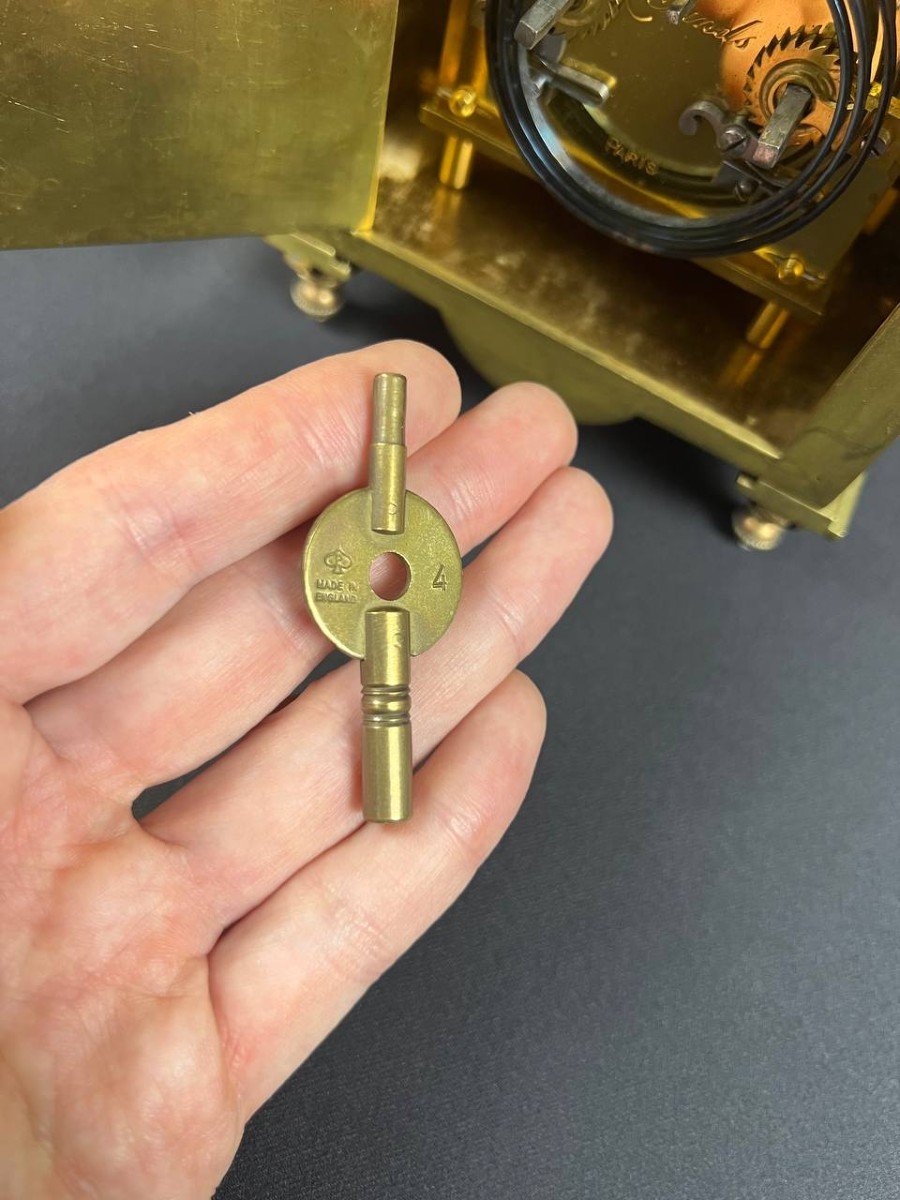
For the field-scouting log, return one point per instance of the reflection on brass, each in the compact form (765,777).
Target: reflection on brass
(763,331)
(350,536)
(456,163)
(766,326)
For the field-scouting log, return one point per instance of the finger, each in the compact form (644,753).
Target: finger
(243,638)
(100,551)
(24,754)
(289,791)
(284,976)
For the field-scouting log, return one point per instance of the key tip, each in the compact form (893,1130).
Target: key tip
(389,397)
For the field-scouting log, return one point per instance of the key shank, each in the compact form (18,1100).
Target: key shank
(387,455)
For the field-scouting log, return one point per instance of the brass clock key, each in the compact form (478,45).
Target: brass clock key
(346,540)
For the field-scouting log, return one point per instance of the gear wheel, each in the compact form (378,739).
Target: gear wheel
(586,17)
(808,57)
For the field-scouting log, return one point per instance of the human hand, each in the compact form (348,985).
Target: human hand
(160,978)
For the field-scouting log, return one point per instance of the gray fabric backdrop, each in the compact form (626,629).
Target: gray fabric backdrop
(679,977)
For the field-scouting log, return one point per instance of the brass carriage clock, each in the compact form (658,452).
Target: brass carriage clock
(680,210)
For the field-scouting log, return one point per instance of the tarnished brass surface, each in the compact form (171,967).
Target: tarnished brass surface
(619,333)
(349,537)
(150,119)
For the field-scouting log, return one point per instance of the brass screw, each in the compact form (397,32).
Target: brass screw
(464,102)
(791,268)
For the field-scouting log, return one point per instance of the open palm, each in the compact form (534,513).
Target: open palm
(160,978)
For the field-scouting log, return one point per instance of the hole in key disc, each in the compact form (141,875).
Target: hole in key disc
(389,576)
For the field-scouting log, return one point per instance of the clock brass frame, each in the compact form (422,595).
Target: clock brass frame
(356,142)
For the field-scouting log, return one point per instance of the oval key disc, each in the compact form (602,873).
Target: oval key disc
(339,553)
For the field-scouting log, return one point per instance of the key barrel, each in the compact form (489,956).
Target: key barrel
(387,734)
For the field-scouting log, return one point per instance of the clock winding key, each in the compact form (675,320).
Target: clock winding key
(347,539)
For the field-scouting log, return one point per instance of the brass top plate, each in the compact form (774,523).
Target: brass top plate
(129,120)
(340,550)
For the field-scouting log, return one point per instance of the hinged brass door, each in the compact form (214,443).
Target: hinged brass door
(129,120)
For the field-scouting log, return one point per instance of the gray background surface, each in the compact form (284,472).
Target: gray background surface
(679,977)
